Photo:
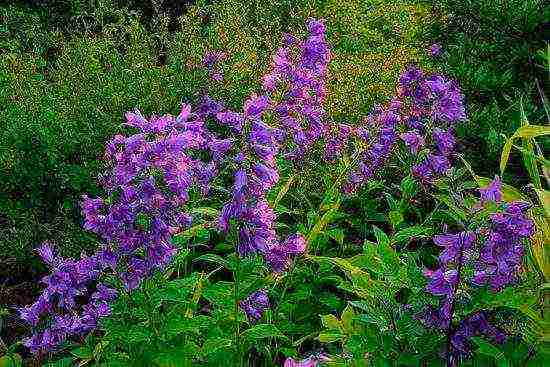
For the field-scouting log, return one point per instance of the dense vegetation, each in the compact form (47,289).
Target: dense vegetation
(236,183)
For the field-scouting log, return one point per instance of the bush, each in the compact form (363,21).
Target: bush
(490,47)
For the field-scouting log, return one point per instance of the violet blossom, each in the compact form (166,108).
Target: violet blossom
(255,305)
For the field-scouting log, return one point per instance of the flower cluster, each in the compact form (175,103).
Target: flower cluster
(379,134)
(148,184)
(257,173)
(70,282)
(153,172)
(495,252)
(294,92)
(296,87)
(432,106)
(422,115)
(255,305)
(474,325)
(445,280)
(500,257)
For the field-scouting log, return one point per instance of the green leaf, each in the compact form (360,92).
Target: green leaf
(263,331)
(322,222)
(544,197)
(395,218)
(64,362)
(348,315)
(409,186)
(219,293)
(462,215)
(407,359)
(381,237)
(329,337)
(488,349)
(527,132)
(83,352)
(389,256)
(212,345)
(11,360)
(181,356)
(206,211)
(407,234)
(331,322)
(213,258)
(528,154)
(337,234)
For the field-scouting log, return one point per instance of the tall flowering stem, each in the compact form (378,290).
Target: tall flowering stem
(494,253)
(148,185)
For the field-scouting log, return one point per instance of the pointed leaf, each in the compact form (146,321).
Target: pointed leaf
(263,331)
(525,131)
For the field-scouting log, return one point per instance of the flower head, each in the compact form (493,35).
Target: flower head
(255,305)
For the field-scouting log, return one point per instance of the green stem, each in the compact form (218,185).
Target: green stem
(237,276)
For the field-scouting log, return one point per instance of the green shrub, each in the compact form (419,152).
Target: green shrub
(490,47)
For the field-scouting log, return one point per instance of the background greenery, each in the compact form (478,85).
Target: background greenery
(497,50)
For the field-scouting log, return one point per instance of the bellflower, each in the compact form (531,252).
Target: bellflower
(413,140)
(255,305)
(493,192)
(444,140)
(435,50)
(475,325)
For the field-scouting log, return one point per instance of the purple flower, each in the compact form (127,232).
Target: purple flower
(219,147)
(444,140)
(335,143)
(184,114)
(454,245)
(493,192)
(137,270)
(295,244)
(255,305)
(135,119)
(413,140)
(435,50)
(208,107)
(442,282)
(47,253)
(448,100)
(439,164)
(500,258)
(256,105)
(316,27)
(266,176)
(423,172)
(475,325)
(312,361)
(212,57)
(277,258)
(104,293)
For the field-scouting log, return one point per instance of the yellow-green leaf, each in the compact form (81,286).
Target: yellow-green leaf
(348,315)
(544,197)
(331,322)
(329,337)
(526,132)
